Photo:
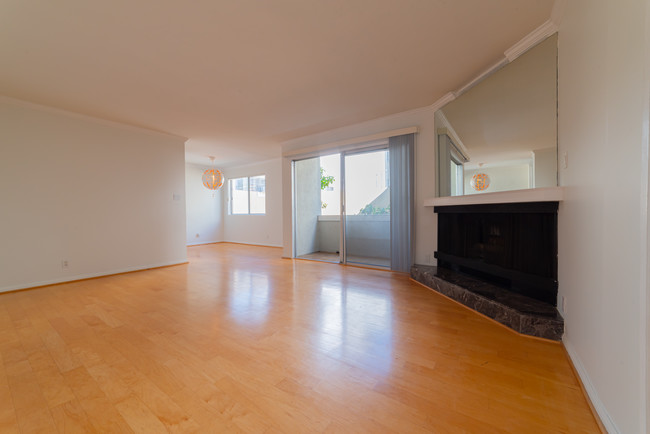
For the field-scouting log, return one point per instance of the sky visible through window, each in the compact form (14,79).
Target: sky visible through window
(367,178)
(248,191)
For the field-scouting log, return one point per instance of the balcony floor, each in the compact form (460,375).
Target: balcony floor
(353,260)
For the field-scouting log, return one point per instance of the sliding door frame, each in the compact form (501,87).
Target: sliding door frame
(360,148)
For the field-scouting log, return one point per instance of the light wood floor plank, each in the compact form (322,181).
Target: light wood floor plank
(70,417)
(241,340)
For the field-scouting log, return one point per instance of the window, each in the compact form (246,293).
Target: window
(248,195)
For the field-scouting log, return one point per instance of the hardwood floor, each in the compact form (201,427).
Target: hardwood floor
(240,340)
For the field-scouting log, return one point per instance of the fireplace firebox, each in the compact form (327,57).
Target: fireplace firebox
(512,245)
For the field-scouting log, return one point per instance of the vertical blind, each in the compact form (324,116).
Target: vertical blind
(401,157)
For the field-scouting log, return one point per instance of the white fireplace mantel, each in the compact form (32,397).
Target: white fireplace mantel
(547,194)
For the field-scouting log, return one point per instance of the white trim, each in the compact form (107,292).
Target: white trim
(448,129)
(202,243)
(347,144)
(252,244)
(482,76)
(294,226)
(124,126)
(89,276)
(547,194)
(441,102)
(353,147)
(600,408)
(289,147)
(530,40)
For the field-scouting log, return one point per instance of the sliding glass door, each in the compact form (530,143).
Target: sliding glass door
(356,207)
(366,208)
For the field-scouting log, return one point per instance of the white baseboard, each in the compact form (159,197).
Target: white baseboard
(252,244)
(204,242)
(236,242)
(87,276)
(598,405)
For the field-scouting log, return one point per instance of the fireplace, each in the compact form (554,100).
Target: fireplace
(497,255)
(511,245)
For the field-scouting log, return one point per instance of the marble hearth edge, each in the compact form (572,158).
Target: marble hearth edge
(522,314)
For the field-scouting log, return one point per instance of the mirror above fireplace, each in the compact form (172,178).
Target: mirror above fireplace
(501,134)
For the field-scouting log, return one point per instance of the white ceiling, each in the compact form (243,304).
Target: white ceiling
(238,77)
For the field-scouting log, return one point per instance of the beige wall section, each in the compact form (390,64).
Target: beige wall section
(264,230)
(425,228)
(204,208)
(105,198)
(603,109)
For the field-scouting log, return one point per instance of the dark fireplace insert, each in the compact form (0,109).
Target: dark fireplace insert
(512,245)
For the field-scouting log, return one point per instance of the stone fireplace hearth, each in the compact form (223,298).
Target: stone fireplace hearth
(522,314)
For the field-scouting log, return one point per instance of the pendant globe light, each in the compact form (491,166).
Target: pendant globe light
(212,178)
(480,181)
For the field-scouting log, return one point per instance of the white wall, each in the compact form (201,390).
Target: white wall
(204,208)
(308,205)
(265,230)
(545,161)
(603,121)
(425,226)
(97,194)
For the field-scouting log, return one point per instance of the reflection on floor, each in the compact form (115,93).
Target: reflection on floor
(242,340)
(321,256)
(360,260)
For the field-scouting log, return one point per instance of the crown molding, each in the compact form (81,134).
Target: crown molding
(532,39)
(441,102)
(529,41)
(482,76)
(76,115)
